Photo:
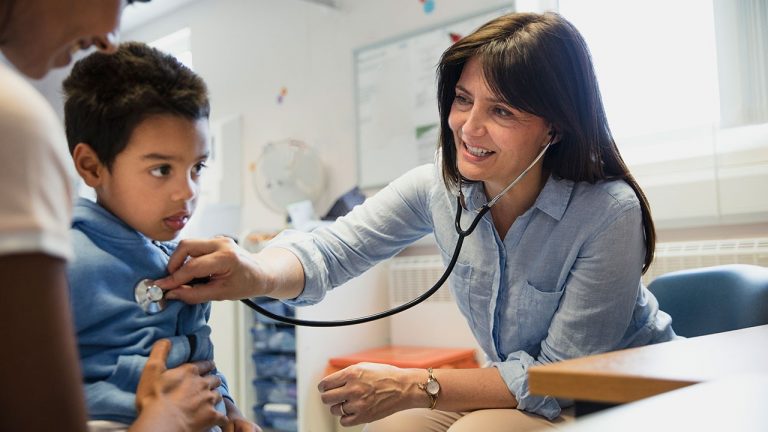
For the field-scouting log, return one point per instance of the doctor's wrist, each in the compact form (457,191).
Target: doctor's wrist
(414,393)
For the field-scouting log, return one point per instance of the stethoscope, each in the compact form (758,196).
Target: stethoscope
(152,300)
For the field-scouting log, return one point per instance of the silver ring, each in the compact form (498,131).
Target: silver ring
(341,407)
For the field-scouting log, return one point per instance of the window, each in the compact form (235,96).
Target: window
(685,87)
(178,44)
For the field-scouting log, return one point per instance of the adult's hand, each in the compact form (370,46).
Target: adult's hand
(366,392)
(232,273)
(182,399)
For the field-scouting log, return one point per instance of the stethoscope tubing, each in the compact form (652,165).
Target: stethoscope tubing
(354,321)
(457,250)
(146,299)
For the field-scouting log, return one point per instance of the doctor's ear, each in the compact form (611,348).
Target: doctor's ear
(553,136)
(88,165)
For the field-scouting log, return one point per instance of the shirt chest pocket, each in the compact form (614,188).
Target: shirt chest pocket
(460,282)
(534,312)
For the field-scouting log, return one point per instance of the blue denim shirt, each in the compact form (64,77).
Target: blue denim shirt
(563,283)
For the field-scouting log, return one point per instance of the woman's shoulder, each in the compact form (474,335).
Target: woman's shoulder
(424,179)
(617,194)
(23,110)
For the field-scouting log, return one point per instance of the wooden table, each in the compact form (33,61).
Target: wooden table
(730,404)
(637,373)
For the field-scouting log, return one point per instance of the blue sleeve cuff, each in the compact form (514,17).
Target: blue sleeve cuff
(514,372)
(224,387)
(316,278)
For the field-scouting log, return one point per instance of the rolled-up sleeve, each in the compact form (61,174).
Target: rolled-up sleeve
(514,372)
(376,230)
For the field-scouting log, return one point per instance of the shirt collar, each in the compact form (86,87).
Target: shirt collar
(553,199)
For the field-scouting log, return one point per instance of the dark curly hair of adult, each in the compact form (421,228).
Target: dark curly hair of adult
(108,95)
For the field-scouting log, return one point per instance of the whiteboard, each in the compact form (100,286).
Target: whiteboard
(396,101)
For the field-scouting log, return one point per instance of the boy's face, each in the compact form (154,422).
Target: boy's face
(154,182)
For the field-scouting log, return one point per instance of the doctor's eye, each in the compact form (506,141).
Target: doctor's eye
(503,112)
(461,99)
(161,171)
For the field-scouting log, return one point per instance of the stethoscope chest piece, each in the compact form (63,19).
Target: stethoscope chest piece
(149,296)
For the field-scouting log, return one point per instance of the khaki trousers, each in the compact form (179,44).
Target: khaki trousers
(489,420)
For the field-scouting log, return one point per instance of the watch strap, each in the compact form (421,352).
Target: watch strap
(432,397)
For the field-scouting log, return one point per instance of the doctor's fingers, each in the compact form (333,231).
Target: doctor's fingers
(199,293)
(197,247)
(214,268)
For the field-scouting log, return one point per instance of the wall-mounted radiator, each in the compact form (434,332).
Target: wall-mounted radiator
(676,256)
(412,275)
(438,322)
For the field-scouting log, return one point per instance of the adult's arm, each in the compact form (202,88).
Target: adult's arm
(234,272)
(373,391)
(308,263)
(40,368)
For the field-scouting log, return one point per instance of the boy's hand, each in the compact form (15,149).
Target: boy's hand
(179,399)
(238,423)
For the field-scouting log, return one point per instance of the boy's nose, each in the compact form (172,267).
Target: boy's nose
(187,190)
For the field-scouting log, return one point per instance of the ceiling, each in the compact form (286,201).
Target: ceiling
(140,13)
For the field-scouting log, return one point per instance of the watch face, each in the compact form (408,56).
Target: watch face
(433,387)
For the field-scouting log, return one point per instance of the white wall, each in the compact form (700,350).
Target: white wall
(247,50)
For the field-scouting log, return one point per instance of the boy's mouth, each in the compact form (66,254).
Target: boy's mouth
(176,222)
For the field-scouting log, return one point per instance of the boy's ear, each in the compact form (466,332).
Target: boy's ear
(88,165)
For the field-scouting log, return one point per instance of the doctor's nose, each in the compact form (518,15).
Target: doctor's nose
(473,124)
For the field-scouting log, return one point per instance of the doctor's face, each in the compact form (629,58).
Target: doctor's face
(494,142)
(154,182)
(40,35)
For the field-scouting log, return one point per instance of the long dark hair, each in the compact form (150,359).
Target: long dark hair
(540,64)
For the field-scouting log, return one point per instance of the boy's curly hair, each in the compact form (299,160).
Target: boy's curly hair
(108,95)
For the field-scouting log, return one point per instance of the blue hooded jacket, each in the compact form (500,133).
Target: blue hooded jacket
(114,334)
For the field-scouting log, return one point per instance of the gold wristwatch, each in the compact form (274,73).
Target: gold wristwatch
(432,388)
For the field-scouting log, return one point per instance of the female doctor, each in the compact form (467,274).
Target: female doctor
(552,272)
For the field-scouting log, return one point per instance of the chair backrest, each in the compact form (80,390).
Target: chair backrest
(713,299)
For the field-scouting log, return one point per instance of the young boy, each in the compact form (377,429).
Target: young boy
(137,127)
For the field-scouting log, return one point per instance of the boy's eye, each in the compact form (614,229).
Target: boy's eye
(198,168)
(161,171)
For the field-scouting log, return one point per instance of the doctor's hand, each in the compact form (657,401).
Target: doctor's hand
(366,392)
(232,273)
(182,399)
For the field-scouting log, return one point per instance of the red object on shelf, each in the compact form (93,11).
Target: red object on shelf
(408,357)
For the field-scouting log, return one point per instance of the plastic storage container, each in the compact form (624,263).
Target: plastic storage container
(274,361)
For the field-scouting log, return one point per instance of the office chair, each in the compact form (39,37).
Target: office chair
(713,299)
